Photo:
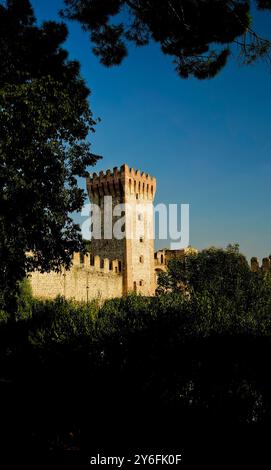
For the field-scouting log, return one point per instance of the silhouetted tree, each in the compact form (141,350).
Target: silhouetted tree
(44,123)
(216,271)
(198,34)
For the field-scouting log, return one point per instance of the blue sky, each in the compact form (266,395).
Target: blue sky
(207,142)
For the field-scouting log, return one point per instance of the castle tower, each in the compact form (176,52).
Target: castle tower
(130,209)
(255,266)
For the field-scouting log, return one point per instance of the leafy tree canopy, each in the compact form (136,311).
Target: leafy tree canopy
(198,34)
(216,271)
(45,120)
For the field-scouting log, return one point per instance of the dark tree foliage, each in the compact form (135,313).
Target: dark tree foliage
(174,373)
(220,272)
(165,374)
(198,34)
(44,123)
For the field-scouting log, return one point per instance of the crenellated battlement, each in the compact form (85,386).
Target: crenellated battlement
(136,190)
(266,264)
(107,183)
(120,171)
(114,265)
(90,277)
(120,181)
(96,263)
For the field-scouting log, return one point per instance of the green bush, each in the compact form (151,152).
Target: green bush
(3,317)
(61,321)
(24,300)
(203,353)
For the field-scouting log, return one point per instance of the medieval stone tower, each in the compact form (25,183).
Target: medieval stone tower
(124,199)
(121,258)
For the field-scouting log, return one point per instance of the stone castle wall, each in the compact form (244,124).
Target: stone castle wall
(87,279)
(114,267)
(266,264)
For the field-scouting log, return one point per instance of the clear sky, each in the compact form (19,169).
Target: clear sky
(207,142)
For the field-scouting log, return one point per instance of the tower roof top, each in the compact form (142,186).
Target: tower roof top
(122,171)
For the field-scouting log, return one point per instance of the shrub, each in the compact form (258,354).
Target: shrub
(61,321)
